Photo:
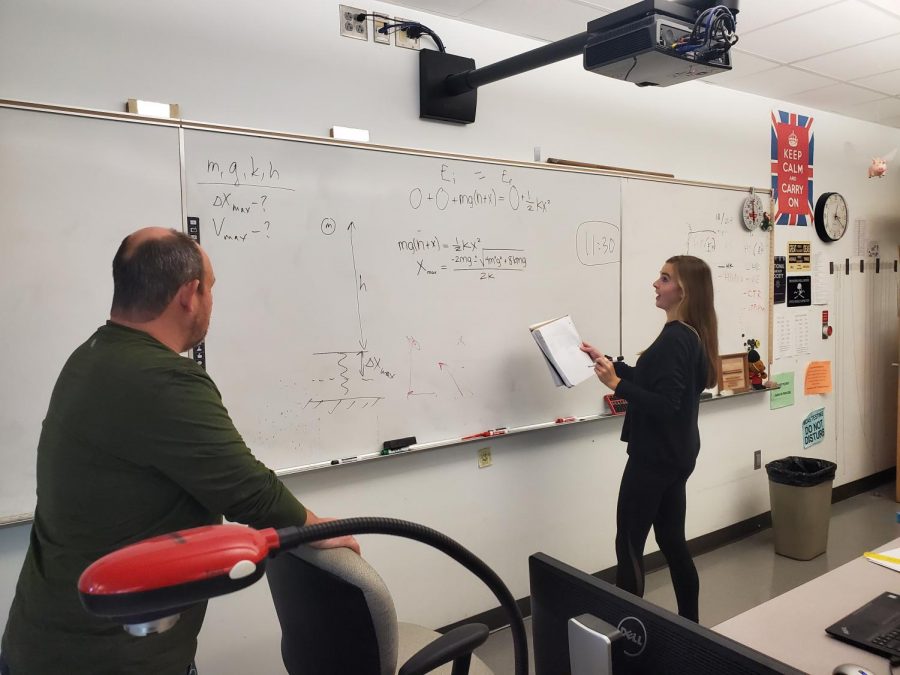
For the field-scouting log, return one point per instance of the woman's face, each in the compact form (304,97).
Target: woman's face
(668,293)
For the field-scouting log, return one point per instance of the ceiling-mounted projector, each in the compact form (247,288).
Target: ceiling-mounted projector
(651,43)
(661,42)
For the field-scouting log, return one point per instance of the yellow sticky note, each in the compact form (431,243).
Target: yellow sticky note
(818,378)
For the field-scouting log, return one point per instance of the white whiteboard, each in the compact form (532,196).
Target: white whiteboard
(666,219)
(72,188)
(366,295)
(326,340)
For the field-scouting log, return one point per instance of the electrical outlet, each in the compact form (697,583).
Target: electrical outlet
(484,458)
(401,39)
(352,27)
(757,459)
(378,21)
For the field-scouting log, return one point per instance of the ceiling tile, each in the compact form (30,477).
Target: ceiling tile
(890,121)
(533,18)
(876,111)
(889,83)
(444,7)
(607,6)
(835,97)
(844,24)
(755,14)
(870,58)
(779,82)
(742,65)
(891,6)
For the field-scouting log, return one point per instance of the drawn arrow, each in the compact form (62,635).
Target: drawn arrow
(441,365)
(357,281)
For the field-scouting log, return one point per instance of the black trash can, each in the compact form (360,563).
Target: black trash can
(800,495)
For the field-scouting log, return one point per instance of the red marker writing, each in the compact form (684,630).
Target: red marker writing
(563,420)
(486,434)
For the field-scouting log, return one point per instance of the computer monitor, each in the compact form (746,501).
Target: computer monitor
(654,641)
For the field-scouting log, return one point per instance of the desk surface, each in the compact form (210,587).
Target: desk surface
(791,627)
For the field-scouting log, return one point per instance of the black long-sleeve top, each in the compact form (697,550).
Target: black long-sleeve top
(663,393)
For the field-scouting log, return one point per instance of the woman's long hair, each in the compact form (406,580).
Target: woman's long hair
(697,307)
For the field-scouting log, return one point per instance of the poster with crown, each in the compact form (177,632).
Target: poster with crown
(792,168)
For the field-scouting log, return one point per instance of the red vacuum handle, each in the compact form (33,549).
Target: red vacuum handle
(180,568)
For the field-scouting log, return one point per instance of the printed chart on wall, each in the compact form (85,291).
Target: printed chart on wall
(365,295)
(661,220)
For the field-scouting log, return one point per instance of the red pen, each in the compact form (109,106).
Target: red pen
(563,420)
(486,434)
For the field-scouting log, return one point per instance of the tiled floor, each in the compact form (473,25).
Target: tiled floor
(744,574)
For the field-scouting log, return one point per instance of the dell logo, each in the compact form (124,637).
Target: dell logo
(635,635)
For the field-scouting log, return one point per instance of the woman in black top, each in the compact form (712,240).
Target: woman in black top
(663,393)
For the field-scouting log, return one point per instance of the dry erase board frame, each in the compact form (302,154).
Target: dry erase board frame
(182,125)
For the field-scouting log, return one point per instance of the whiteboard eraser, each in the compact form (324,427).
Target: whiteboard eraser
(350,134)
(152,108)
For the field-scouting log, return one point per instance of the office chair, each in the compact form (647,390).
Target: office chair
(337,617)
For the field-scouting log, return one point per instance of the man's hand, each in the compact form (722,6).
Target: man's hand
(347,541)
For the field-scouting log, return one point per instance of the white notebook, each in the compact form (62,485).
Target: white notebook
(560,344)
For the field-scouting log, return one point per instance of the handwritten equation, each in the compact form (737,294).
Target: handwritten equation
(482,190)
(240,194)
(460,254)
(736,263)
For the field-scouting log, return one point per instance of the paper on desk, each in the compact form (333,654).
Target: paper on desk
(889,559)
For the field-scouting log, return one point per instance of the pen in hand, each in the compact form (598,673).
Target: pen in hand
(594,363)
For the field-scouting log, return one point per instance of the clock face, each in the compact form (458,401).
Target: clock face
(752,212)
(832,216)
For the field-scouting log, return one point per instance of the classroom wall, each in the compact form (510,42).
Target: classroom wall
(283,66)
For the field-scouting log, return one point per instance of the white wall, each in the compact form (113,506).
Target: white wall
(281,65)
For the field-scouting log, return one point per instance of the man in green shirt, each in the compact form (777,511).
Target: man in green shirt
(136,443)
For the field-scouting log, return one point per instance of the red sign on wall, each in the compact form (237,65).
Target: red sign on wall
(792,168)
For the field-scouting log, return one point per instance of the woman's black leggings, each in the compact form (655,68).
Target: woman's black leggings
(651,495)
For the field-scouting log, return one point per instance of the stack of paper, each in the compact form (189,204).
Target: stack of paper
(889,559)
(561,346)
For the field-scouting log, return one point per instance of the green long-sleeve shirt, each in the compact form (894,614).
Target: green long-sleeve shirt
(136,443)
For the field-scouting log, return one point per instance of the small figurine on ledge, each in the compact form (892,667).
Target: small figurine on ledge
(756,369)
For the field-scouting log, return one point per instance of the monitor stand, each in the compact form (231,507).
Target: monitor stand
(591,644)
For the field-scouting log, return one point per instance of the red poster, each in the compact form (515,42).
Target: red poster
(792,168)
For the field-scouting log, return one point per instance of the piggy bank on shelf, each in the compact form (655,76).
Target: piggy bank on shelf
(878,167)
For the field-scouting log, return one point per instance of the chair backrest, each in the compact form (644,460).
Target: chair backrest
(336,614)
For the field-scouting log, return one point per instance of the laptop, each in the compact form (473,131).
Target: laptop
(875,626)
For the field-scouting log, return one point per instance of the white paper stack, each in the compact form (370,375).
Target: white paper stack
(561,346)
(889,559)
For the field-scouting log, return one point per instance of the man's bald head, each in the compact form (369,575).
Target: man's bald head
(149,268)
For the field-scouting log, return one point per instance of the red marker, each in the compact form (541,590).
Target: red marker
(563,420)
(486,434)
